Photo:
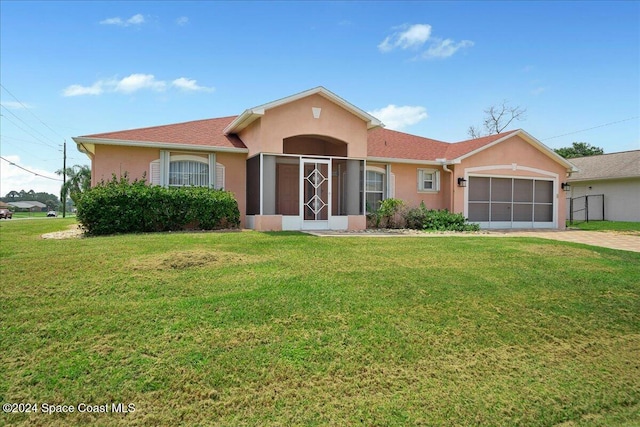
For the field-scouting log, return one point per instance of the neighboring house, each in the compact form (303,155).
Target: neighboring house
(31,206)
(314,161)
(617,177)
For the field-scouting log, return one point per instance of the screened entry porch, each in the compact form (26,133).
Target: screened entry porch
(297,192)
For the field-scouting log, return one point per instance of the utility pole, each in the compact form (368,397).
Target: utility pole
(64,178)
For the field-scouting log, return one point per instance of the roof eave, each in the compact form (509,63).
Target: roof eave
(602,178)
(243,120)
(405,161)
(153,144)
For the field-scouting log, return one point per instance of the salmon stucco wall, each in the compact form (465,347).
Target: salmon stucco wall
(235,179)
(296,118)
(406,186)
(118,160)
(515,157)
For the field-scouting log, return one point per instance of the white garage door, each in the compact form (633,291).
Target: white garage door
(496,202)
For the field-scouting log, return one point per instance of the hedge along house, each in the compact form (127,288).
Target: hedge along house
(314,161)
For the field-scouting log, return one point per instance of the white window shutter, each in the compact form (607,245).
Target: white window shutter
(391,191)
(220,176)
(436,178)
(154,172)
(165,160)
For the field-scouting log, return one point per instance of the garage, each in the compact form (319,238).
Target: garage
(511,202)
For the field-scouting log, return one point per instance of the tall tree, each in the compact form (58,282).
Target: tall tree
(497,118)
(579,149)
(78,181)
(14,195)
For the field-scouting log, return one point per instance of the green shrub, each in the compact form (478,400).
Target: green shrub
(421,218)
(386,215)
(120,206)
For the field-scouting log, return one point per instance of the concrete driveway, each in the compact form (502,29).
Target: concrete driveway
(605,239)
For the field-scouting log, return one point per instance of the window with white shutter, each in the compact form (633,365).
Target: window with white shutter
(186,170)
(428,180)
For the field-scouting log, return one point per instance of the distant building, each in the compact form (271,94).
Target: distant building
(31,206)
(616,176)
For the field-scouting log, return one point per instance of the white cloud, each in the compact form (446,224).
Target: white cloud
(445,48)
(12,178)
(416,36)
(411,36)
(183,20)
(136,82)
(399,117)
(137,19)
(78,90)
(190,85)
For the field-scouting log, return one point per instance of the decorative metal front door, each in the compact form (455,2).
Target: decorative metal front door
(315,191)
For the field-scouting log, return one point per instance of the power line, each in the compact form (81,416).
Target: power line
(23,150)
(29,110)
(27,170)
(27,124)
(595,127)
(27,132)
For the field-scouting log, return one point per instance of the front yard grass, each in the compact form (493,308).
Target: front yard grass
(248,328)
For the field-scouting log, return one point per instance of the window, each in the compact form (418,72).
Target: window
(375,189)
(186,170)
(428,180)
(189,173)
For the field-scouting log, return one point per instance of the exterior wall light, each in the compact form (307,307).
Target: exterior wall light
(462,182)
(565,186)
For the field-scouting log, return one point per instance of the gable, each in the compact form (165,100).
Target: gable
(515,152)
(313,115)
(466,149)
(252,114)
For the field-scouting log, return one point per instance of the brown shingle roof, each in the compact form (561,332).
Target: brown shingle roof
(465,147)
(382,143)
(387,143)
(607,166)
(397,145)
(206,132)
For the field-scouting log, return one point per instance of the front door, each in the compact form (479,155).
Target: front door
(315,193)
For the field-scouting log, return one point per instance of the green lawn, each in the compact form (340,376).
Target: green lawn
(607,226)
(250,328)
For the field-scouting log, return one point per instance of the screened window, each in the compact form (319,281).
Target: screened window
(428,180)
(375,190)
(185,173)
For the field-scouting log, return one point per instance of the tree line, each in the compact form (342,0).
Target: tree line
(78,179)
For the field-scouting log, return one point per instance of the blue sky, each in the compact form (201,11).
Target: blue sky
(426,68)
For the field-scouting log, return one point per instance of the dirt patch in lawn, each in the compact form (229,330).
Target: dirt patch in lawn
(553,250)
(74,232)
(182,260)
